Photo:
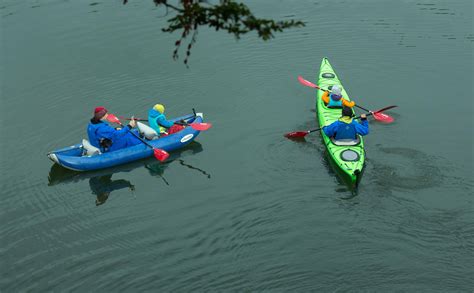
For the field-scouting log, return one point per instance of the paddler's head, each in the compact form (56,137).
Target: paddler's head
(347,111)
(160,108)
(336,93)
(100,113)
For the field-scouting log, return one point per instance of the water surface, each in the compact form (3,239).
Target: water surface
(243,209)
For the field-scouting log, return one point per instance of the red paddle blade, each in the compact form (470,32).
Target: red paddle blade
(383,118)
(113,119)
(296,134)
(307,83)
(201,126)
(378,115)
(160,155)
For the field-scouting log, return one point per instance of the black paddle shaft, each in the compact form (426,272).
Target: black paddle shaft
(358,117)
(177,122)
(133,133)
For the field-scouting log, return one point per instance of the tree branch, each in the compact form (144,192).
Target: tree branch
(235,18)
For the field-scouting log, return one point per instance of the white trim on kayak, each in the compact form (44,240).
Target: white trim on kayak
(187,137)
(54,158)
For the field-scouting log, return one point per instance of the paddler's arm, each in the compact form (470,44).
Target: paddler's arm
(113,134)
(330,130)
(362,128)
(325,97)
(348,103)
(162,121)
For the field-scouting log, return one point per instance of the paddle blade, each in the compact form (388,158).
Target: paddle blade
(378,115)
(160,155)
(307,83)
(296,134)
(113,119)
(201,126)
(383,118)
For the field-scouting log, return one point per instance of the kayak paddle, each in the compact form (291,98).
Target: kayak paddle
(194,125)
(298,134)
(378,116)
(159,154)
(382,117)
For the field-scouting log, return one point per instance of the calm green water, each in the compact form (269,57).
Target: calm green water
(243,209)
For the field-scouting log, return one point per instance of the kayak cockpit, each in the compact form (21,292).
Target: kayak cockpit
(346,142)
(349,155)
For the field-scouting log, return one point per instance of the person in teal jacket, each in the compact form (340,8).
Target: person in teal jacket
(105,137)
(346,127)
(157,119)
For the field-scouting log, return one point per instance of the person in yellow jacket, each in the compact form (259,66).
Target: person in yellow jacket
(334,98)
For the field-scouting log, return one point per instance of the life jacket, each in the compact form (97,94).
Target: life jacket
(333,103)
(153,117)
(346,129)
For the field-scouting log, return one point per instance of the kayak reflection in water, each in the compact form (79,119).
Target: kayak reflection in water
(194,168)
(158,169)
(102,186)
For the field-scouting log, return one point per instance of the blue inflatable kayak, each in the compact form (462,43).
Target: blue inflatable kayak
(72,157)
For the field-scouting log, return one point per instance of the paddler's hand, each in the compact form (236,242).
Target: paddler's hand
(132,122)
(363,117)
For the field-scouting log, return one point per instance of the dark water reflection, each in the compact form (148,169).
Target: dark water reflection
(407,169)
(102,187)
(102,184)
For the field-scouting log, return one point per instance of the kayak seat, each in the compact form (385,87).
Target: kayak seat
(88,149)
(346,142)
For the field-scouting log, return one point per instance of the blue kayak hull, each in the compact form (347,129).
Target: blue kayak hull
(71,157)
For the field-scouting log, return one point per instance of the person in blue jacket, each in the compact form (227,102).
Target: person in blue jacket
(157,119)
(346,127)
(105,137)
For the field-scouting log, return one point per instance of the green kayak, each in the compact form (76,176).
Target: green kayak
(347,157)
